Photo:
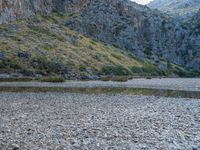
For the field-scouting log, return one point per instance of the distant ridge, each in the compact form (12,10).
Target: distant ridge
(176,7)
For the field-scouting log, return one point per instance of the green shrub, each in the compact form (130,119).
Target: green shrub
(119,78)
(105,78)
(116,56)
(50,66)
(137,70)
(148,51)
(93,42)
(147,69)
(82,68)
(150,69)
(53,79)
(115,70)
(119,29)
(8,63)
(16,79)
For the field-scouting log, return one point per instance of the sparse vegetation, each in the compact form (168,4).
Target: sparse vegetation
(59,50)
(148,51)
(49,54)
(10,64)
(115,78)
(105,78)
(119,78)
(115,70)
(53,79)
(21,79)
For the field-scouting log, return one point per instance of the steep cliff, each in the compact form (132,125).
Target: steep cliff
(191,41)
(147,33)
(16,9)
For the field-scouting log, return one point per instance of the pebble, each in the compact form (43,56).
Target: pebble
(63,121)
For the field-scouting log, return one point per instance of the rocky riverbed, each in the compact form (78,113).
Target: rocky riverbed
(106,121)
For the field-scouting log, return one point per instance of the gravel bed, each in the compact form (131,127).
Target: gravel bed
(184,84)
(64,121)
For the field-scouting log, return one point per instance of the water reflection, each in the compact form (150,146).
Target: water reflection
(105,90)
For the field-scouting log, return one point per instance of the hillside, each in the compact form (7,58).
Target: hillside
(42,45)
(86,39)
(176,7)
(149,34)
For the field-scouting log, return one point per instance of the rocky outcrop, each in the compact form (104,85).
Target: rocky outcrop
(145,32)
(192,42)
(182,8)
(15,9)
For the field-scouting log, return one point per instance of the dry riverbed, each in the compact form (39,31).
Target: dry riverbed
(32,121)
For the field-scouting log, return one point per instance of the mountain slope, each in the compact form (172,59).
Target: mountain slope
(42,45)
(135,30)
(176,7)
(147,33)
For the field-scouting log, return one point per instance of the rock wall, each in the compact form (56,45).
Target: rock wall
(145,32)
(15,9)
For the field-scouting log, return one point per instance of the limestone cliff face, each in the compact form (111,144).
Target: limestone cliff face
(15,9)
(145,32)
(192,42)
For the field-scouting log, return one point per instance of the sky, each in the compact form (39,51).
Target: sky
(142,1)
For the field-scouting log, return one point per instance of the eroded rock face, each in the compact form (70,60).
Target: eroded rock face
(14,9)
(145,32)
(192,43)
(127,25)
(181,8)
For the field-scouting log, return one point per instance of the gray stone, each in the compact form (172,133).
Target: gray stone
(162,66)
(120,121)
(2,56)
(24,55)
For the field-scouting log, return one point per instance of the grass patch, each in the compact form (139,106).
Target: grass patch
(146,70)
(115,70)
(115,78)
(21,79)
(54,79)
(9,63)
(105,78)
(119,78)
